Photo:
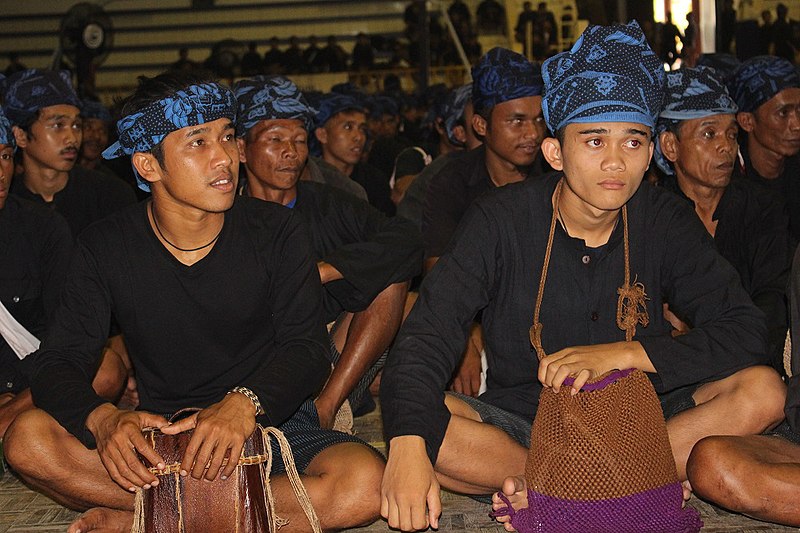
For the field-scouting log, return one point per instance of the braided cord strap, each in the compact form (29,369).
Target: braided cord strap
(294,479)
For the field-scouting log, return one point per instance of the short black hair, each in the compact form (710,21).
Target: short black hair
(157,88)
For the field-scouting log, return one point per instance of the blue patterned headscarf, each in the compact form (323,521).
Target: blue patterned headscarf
(332,104)
(6,134)
(609,75)
(502,75)
(93,109)
(691,93)
(268,98)
(453,111)
(380,105)
(724,64)
(28,91)
(759,79)
(191,106)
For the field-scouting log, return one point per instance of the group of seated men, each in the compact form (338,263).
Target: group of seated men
(215,291)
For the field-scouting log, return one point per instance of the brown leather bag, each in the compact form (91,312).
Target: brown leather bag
(243,503)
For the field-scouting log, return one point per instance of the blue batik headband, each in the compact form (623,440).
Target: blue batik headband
(453,111)
(502,75)
(269,98)
(609,75)
(28,91)
(332,104)
(6,133)
(691,93)
(192,106)
(759,79)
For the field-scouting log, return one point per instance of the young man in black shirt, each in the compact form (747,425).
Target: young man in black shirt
(364,258)
(707,378)
(45,112)
(221,307)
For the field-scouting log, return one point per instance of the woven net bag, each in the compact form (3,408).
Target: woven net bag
(601,461)
(243,503)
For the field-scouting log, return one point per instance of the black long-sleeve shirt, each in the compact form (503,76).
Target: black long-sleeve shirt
(87,197)
(371,250)
(35,244)
(494,263)
(248,314)
(452,190)
(752,234)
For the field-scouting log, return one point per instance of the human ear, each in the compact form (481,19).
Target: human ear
(479,125)
(746,121)
(147,166)
(460,134)
(322,135)
(20,136)
(669,145)
(551,150)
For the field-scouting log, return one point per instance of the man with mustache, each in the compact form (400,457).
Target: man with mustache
(767,91)
(696,148)
(45,113)
(364,258)
(220,303)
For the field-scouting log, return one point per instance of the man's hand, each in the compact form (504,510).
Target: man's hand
(588,362)
(467,380)
(409,484)
(219,432)
(328,272)
(119,436)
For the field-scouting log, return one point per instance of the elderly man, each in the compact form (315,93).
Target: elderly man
(697,148)
(364,258)
(45,112)
(767,91)
(220,303)
(590,222)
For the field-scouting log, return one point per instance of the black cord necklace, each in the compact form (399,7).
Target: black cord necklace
(158,229)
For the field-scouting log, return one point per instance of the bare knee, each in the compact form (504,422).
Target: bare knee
(760,395)
(721,472)
(27,443)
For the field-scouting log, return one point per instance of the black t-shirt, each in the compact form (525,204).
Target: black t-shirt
(87,197)
(34,252)
(248,314)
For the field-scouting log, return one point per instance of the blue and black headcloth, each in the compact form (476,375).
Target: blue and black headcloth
(28,91)
(191,106)
(453,111)
(502,75)
(269,98)
(759,79)
(94,109)
(691,93)
(609,75)
(724,64)
(334,103)
(6,134)
(382,104)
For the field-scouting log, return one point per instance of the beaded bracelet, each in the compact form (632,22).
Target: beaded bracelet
(251,396)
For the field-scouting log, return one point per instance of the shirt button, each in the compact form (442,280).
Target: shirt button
(594,316)
(15,299)
(9,384)
(585,259)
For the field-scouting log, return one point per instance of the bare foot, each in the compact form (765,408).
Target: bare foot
(514,493)
(103,520)
(687,491)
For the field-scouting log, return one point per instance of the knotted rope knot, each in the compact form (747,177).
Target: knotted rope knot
(631,308)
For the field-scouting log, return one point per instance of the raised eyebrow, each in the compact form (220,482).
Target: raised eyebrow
(636,131)
(594,131)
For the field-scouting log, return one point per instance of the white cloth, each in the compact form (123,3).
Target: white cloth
(20,339)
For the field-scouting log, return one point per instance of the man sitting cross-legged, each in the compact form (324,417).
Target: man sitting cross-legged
(220,304)
(709,380)
(365,259)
